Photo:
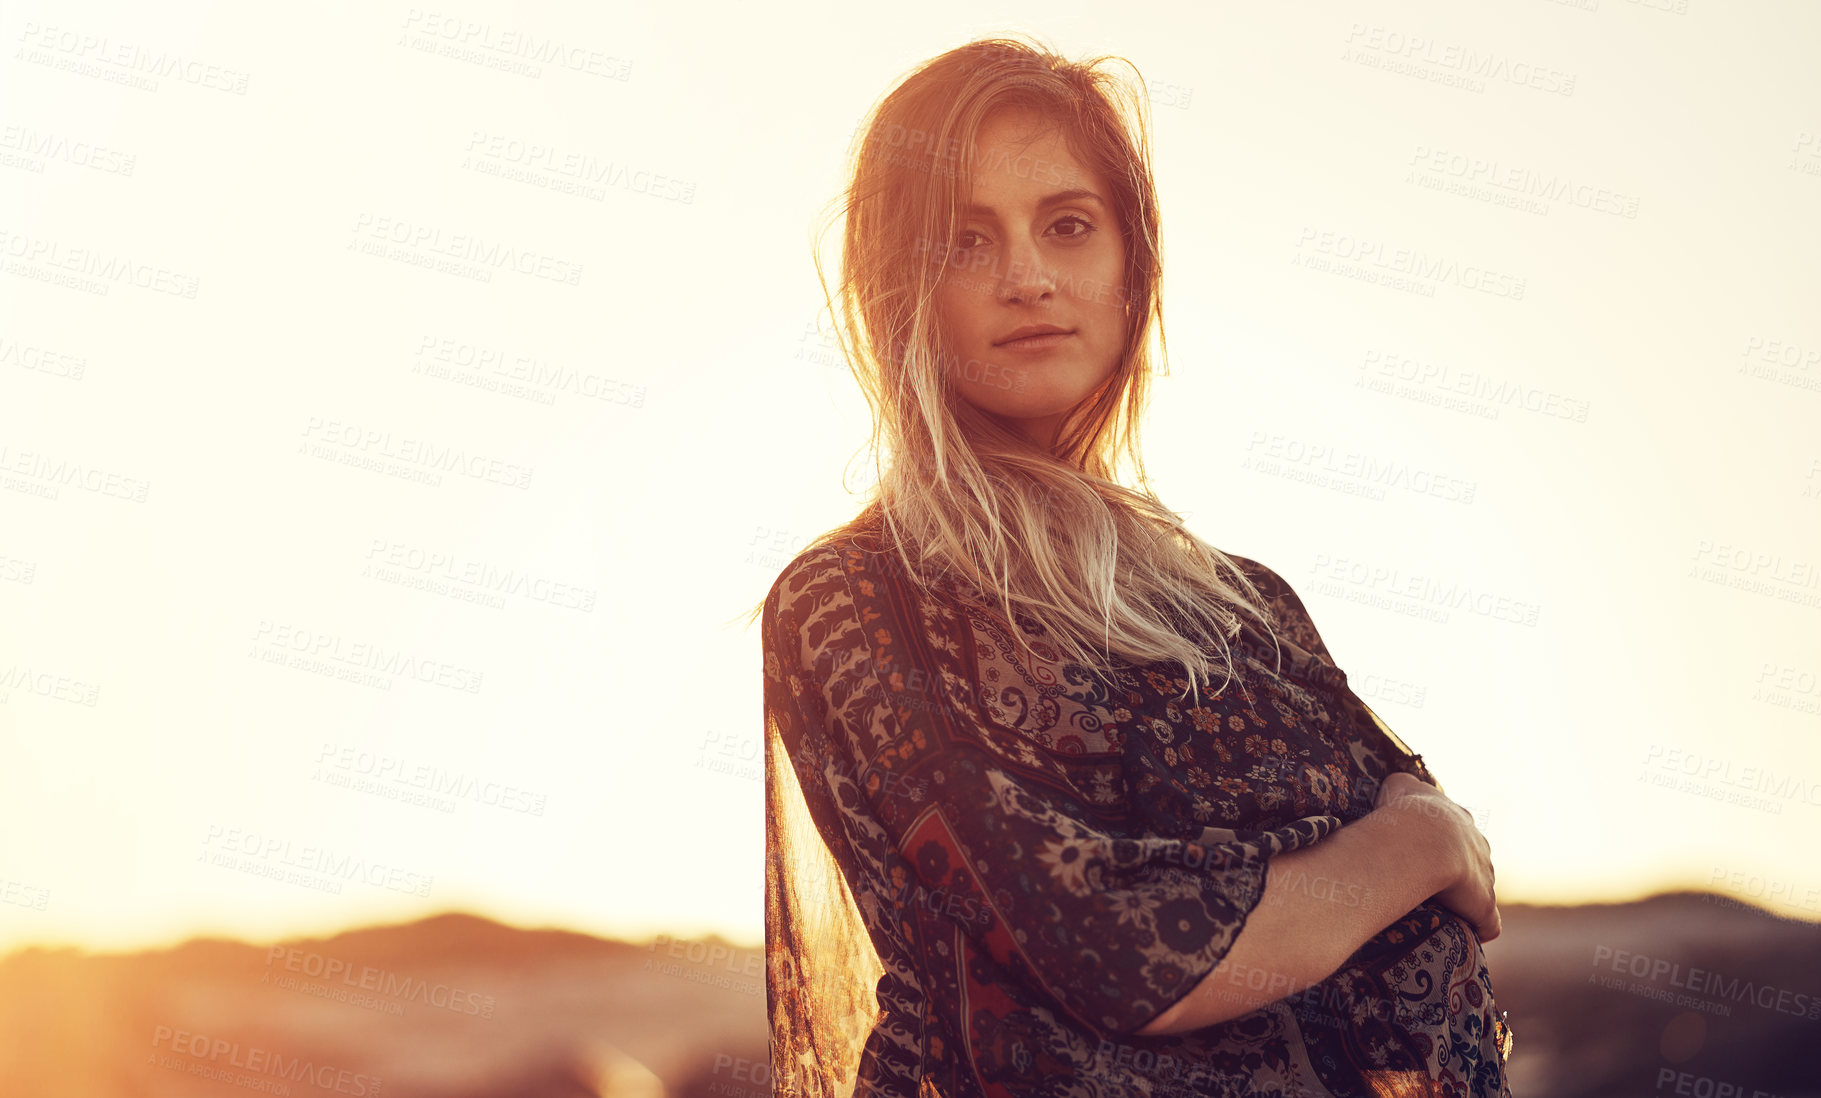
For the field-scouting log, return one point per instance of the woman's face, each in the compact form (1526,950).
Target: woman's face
(1038,246)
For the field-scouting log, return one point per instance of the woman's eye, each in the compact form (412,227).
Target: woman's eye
(1079,228)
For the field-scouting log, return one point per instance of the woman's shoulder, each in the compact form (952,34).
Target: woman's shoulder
(816,563)
(1265,578)
(841,614)
(1287,610)
(841,556)
(856,552)
(820,588)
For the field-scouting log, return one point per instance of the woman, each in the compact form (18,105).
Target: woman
(1019,840)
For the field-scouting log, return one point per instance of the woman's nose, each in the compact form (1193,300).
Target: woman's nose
(1026,273)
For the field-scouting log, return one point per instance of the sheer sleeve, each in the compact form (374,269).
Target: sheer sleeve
(1109,926)
(819,962)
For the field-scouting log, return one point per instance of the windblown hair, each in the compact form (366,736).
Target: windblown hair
(1052,534)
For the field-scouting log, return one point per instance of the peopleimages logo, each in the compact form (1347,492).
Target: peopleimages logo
(93,270)
(1414,262)
(1703,982)
(211,1059)
(380,981)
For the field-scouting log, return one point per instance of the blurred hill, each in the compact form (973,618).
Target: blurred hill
(457,1006)
(1686,993)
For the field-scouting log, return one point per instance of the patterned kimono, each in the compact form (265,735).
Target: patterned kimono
(1042,865)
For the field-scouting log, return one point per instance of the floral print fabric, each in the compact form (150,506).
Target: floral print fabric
(1044,864)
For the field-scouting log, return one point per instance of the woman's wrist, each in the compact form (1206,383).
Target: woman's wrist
(1427,826)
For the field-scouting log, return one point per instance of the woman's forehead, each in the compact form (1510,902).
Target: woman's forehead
(1027,154)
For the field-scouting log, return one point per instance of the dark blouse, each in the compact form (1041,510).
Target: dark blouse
(1043,865)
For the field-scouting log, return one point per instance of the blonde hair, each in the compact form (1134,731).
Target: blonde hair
(1054,535)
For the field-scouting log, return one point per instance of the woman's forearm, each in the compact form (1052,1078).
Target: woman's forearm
(1320,904)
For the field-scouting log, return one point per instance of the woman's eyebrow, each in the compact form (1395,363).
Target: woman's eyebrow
(1043,203)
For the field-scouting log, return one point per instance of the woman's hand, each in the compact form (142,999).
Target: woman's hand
(1470,895)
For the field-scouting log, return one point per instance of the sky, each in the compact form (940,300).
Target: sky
(400,407)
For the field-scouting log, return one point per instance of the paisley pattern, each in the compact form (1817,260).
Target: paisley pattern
(1045,864)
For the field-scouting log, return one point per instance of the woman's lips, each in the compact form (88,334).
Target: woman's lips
(1035,344)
